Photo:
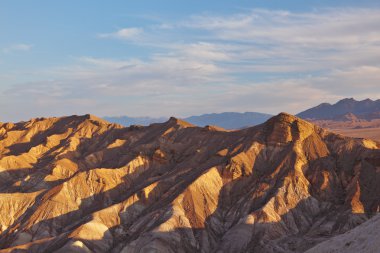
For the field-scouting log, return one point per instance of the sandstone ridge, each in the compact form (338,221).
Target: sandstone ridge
(81,184)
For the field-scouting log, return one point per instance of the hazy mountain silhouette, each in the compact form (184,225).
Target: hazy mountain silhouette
(360,119)
(128,121)
(227,120)
(364,108)
(347,109)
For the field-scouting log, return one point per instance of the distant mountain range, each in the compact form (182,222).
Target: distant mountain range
(227,120)
(344,110)
(348,117)
(127,121)
(347,109)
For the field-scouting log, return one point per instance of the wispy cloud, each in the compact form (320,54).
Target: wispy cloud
(259,60)
(324,28)
(17,47)
(124,34)
(281,41)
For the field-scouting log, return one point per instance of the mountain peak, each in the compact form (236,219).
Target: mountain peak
(286,117)
(345,100)
(284,128)
(93,118)
(178,122)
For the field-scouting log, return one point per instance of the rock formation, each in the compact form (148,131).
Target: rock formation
(81,184)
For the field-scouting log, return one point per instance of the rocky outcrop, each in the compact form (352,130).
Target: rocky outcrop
(80,184)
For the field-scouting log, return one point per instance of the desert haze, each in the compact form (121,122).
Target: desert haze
(81,184)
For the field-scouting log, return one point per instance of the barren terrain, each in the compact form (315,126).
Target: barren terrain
(81,184)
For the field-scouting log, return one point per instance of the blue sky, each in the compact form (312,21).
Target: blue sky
(162,58)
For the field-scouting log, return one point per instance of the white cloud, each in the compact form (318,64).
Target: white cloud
(17,47)
(125,33)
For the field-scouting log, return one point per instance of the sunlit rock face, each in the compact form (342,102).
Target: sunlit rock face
(81,184)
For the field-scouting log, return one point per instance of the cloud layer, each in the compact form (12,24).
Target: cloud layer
(258,60)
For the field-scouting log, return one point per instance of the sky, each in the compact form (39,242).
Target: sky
(180,58)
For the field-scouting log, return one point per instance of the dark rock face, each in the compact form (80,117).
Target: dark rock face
(80,184)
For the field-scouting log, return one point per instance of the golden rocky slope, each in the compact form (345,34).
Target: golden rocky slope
(80,184)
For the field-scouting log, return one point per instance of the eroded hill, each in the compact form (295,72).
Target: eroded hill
(80,184)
